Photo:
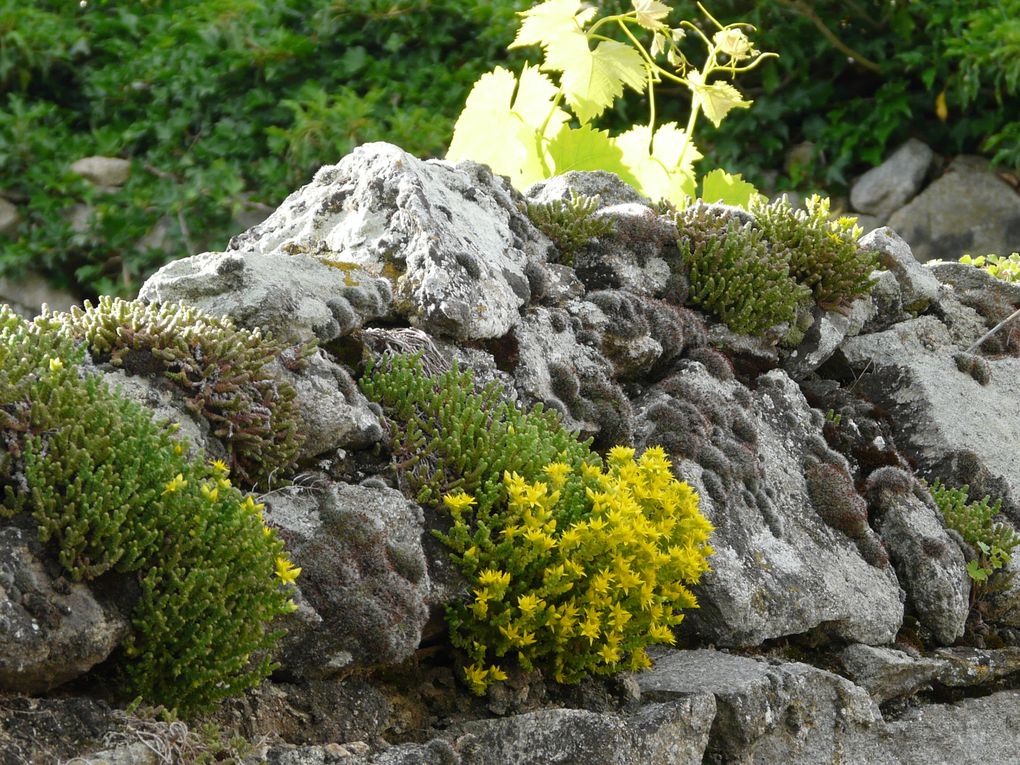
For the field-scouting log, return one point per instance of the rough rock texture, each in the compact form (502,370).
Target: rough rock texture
(929,563)
(828,329)
(886,673)
(103,171)
(37,731)
(296,297)
(607,187)
(918,286)
(363,571)
(968,210)
(636,256)
(884,189)
(333,411)
(549,365)
(452,239)
(945,419)
(51,629)
(670,733)
(788,549)
(782,713)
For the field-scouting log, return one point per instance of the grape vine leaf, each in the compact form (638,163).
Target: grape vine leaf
(591,79)
(501,121)
(585,148)
(720,186)
(663,168)
(650,14)
(715,99)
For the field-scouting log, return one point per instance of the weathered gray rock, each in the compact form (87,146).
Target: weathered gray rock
(944,418)
(969,282)
(886,673)
(51,629)
(138,753)
(823,337)
(363,571)
(635,257)
(929,563)
(765,713)
(453,240)
(296,297)
(334,413)
(103,171)
(918,286)
(884,189)
(788,557)
(970,732)
(968,210)
(963,667)
(568,376)
(670,733)
(436,752)
(607,187)
(9,218)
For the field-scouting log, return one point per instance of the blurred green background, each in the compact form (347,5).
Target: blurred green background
(226,106)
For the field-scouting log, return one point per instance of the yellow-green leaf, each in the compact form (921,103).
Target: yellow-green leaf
(501,121)
(593,79)
(720,186)
(656,162)
(546,23)
(715,99)
(585,148)
(650,14)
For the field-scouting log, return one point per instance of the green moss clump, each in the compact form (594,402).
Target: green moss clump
(733,273)
(570,223)
(994,542)
(112,490)
(822,254)
(574,568)
(222,371)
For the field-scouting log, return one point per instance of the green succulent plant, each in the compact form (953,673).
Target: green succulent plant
(733,272)
(223,373)
(994,542)
(111,490)
(570,223)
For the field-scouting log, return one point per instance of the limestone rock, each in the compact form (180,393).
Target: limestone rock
(946,420)
(363,571)
(296,297)
(334,413)
(103,171)
(781,566)
(968,210)
(452,239)
(929,563)
(670,733)
(607,187)
(887,673)
(884,189)
(918,286)
(828,329)
(51,629)
(765,713)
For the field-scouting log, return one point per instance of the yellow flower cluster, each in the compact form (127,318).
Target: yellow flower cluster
(586,595)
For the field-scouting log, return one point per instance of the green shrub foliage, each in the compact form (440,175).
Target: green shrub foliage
(222,371)
(574,568)
(733,272)
(994,542)
(112,490)
(570,223)
(822,253)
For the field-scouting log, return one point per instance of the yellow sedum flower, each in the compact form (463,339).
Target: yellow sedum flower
(56,365)
(174,484)
(286,571)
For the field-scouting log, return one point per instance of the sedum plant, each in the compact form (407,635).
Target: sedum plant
(975,522)
(113,491)
(570,223)
(576,592)
(222,371)
(574,567)
(733,272)
(823,254)
(1002,267)
(520,128)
